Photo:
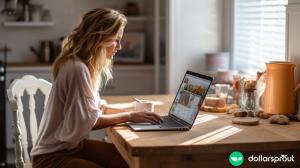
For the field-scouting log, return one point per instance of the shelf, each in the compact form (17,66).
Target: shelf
(162,18)
(28,24)
(133,67)
(12,67)
(142,18)
(137,18)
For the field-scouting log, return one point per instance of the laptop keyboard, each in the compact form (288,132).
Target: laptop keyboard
(168,122)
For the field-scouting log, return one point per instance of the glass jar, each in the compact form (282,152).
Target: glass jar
(248,97)
(222,90)
(36,12)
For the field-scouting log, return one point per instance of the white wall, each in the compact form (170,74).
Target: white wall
(228,24)
(293,38)
(196,27)
(65,15)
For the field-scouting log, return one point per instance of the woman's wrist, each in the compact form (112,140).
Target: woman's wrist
(128,116)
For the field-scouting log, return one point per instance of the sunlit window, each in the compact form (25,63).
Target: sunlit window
(259,33)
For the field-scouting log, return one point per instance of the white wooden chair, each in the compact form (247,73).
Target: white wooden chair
(30,84)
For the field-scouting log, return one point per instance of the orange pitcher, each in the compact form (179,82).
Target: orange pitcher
(280,92)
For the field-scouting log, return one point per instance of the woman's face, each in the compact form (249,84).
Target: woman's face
(115,46)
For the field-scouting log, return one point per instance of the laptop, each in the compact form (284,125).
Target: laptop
(185,106)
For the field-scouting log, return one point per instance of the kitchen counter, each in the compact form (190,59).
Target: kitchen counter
(16,67)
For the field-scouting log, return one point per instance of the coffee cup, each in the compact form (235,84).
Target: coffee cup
(222,90)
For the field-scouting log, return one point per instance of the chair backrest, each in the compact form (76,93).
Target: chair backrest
(30,85)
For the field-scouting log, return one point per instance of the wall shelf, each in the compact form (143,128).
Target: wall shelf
(28,24)
(142,18)
(12,67)
(137,18)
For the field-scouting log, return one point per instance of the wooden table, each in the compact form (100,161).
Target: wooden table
(208,144)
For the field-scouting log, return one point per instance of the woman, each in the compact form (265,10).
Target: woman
(73,109)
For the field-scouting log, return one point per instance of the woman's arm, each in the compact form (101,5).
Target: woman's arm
(106,120)
(109,110)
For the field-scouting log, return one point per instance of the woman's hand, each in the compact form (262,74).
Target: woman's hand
(106,120)
(144,116)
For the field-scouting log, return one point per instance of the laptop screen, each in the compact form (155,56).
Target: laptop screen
(189,97)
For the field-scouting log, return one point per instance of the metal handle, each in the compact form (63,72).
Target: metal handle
(2,78)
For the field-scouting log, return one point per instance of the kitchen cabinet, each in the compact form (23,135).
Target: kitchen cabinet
(133,80)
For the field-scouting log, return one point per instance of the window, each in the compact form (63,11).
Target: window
(259,33)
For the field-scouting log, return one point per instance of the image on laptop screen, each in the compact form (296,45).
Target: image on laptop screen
(191,93)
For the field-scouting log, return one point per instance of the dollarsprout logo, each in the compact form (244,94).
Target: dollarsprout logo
(236,158)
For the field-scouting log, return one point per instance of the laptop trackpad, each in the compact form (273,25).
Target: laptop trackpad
(144,126)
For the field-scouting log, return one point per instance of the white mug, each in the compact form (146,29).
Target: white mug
(222,90)
(143,106)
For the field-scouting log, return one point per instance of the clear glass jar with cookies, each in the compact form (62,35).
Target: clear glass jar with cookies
(248,97)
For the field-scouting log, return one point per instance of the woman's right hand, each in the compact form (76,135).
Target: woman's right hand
(144,116)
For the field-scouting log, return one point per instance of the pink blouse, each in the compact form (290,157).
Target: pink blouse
(71,112)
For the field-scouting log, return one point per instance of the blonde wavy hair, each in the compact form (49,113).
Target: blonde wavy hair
(88,42)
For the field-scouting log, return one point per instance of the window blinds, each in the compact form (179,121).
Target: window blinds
(259,33)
